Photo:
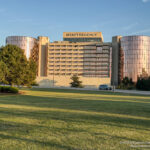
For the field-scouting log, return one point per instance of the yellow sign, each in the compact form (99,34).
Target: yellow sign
(82,34)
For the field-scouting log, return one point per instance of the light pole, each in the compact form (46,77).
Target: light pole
(113,87)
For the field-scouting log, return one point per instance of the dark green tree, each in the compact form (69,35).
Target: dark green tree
(30,73)
(3,72)
(17,70)
(127,83)
(76,82)
(143,84)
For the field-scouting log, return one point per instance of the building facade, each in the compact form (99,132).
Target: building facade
(97,60)
(130,58)
(136,53)
(25,43)
(80,53)
(91,61)
(82,59)
(116,61)
(86,55)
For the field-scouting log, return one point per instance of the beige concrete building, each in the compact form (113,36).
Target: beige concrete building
(80,53)
(116,61)
(60,60)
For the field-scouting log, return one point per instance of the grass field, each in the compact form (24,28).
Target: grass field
(50,119)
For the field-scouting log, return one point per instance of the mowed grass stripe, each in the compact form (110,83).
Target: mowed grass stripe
(45,119)
(94,95)
(33,109)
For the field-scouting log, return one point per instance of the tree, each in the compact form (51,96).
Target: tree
(17,70)
(30,73)
(3,71)
(127,83)
(143,83)
(76,83)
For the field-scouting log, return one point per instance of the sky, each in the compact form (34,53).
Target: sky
(53,17)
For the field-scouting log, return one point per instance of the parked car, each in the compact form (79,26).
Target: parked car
(105,87)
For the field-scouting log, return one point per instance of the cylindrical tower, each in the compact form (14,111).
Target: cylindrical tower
(136,53)
(25,43)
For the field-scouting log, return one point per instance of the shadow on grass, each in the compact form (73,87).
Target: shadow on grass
(24,129)
(78,118)
(42,143)
(125,107)
(103,106)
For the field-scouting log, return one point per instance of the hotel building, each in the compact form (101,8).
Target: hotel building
(130,58)
(80,53)
(86,55)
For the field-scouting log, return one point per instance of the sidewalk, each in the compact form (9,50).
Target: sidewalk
(133,92)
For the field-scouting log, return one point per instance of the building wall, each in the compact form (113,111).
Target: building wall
(89,60)
(25,43)
(115,60)
(43,56)
(54,81)
(83,59)
(136,51)
(65,58)
(59,61)
(97,60)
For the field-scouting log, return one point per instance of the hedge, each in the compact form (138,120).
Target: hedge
(8,89)
(143,84)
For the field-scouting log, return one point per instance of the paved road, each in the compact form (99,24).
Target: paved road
(94,89)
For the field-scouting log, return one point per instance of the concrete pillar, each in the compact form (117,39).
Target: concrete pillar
(43,54)
(115,60)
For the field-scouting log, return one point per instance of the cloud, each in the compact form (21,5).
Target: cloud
(145,1)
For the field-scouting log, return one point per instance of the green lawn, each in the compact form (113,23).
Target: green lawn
(53,119)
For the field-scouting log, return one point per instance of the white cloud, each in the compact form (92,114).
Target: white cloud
(145,1)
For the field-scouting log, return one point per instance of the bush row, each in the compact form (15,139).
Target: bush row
(126,84)
(8,89)
(143,84)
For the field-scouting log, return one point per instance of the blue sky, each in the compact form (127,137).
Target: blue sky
(53,17)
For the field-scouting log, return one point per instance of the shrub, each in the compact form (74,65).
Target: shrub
(8,89)
(34,84)
(143,84)
(126,84)
(76,82)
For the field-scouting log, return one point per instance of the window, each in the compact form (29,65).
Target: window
(99,49)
